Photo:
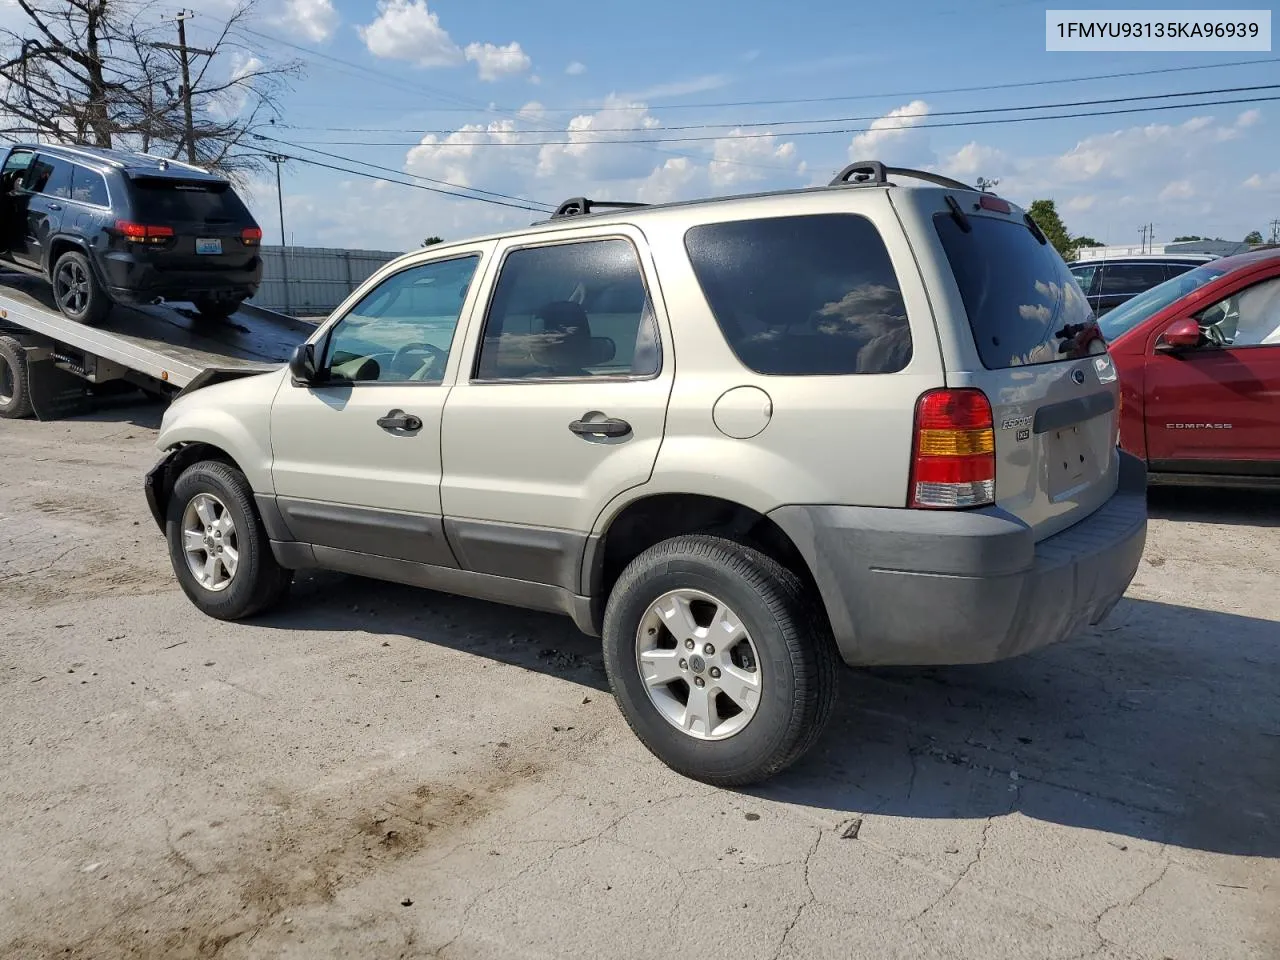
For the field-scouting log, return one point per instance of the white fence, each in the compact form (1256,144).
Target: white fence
(311,281)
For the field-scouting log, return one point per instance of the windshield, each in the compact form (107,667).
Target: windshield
(1024,305)
(1132,312)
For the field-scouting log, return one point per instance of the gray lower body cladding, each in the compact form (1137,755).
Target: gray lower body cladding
(917,587)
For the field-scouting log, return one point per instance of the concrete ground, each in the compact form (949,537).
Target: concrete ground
(376,771)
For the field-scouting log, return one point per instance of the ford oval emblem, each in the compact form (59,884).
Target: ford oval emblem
(1077,376)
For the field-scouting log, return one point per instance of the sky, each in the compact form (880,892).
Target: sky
(520,99)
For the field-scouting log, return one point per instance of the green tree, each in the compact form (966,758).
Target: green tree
(1078,242)
(1253,237)
(1188,239)
(432,241)
(1045,214)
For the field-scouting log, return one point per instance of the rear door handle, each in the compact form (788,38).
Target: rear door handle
(611,427)
(399,420)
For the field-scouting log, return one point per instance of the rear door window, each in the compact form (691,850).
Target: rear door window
(1024,306)
(1131,278)
(163,199)
(88,186)
(804,295)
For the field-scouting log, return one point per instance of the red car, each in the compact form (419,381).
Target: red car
(1199,364)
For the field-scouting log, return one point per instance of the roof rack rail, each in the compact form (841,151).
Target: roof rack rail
(873,173)
(170,162)
(580,206)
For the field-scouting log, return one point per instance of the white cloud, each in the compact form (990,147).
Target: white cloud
(585,159)
(1177,190)
(1261,181)
(1249,118)
(738,159)
(1081,203)
(313,20)
(892,135)
(973,160)
(671,181)
(576,69)
(495,62)
(407,30)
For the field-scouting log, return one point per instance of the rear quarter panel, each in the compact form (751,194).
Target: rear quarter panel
(828,439)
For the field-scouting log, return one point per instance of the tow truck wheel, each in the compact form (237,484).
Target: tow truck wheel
(220,552)
(15,395)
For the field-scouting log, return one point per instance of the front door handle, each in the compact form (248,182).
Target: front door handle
(399,420)
(610,427)
(55,206)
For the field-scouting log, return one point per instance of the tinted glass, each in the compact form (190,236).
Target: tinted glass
(401,330)
(163,200)
(803,295)
(1023,304)
(1173,269)
(1126,278)
(88,187)
(50,176)
(1133,312)
(570,310)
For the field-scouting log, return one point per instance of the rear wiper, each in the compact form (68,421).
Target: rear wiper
(958,215)
(1035,229)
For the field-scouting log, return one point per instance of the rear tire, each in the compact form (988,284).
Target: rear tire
(76,290)
(216,309)
(770,692)
(15,380)
(211,520)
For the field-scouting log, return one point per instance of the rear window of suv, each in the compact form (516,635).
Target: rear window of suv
(1024,305)
(164,200)
(805,295)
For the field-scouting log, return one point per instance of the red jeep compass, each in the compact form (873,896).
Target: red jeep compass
(1199,363)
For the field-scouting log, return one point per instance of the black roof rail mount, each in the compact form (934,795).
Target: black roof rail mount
(580,206)
(873,173)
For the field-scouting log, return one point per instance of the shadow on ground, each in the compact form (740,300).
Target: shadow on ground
(1250,508)
(1163,724)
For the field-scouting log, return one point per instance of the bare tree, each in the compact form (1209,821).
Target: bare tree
(105,72)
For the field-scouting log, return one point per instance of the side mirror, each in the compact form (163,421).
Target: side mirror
(302,364)
(1181,335)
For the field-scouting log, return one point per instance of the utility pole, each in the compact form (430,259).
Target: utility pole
(278,159)
(1275,231)
(184,57)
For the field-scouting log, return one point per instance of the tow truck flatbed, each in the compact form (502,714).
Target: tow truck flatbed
(161,348)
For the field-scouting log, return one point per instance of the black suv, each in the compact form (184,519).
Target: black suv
(1111,281)
(104,225)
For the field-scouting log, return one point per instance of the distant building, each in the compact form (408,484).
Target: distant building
(1221,248)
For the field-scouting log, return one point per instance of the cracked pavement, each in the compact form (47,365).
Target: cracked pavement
(377,771)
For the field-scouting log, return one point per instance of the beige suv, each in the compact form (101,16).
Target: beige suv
(740,439)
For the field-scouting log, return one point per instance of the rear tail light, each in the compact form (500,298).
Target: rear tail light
(141,233)
(251,236)
(953,452)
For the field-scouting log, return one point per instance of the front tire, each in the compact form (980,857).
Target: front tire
(219,549)
(720,659)
(76,290)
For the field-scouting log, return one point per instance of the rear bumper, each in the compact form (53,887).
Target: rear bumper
(130,279)
(914,587)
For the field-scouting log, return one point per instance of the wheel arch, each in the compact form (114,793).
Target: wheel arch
(162,477)
(60,244)
(648,520)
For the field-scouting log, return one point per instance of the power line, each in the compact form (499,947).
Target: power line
(416,176)
(804,133)
(403,183)
(779,123)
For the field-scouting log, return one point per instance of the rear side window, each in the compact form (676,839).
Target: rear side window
(1023,304)
(803,296)
(50,176)
(88,187)
(162,199)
